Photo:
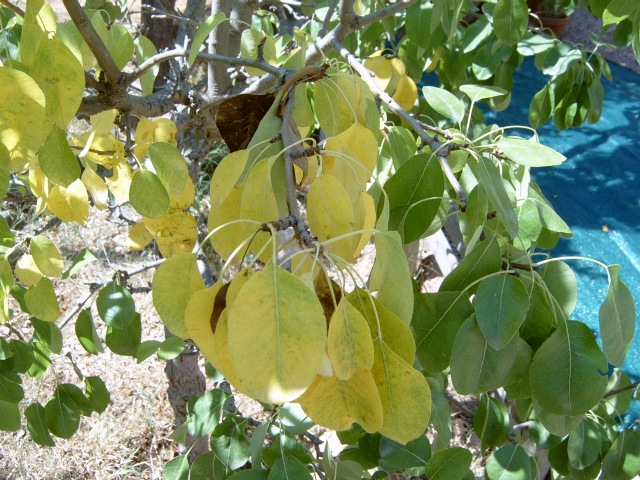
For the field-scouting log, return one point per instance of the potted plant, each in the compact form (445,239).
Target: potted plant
(555,14)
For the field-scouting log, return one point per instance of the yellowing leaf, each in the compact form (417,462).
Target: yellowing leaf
(57,160)
(96,187)
(398,70)
(365,218)
(38,184)
(335,102)
(185,198)
(251,39)
(139,237)
(61,77)
(170,166)
(385,325)
(119,182)
(143,138)
(39,21)
(226,239)
(41,301)
(404,393)
(337,404)
(330,215)
(174,282)
(175,232)
(406,92)
(165,131)
(381,67)
(69,204)
(101,148)
(27,271)
(22,116)
(46,256)
(281,362)
(349,344)
(226,176)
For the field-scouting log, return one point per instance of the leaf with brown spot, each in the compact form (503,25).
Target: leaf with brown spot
(219,304)
(323,291)
(238,118)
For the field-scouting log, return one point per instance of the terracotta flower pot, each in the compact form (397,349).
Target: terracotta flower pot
(556,24)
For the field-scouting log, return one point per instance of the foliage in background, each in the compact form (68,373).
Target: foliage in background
(333,145)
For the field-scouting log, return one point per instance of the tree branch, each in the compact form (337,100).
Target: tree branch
(14,8)
(154,105)
(440,149)
(385,12)
(97,46)
(218,80)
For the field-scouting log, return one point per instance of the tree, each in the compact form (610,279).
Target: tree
(331,147)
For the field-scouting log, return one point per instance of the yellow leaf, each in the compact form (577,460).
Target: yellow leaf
(226,239)
(365,218)
(46,256)
(143,138)
(277,335)
(139,237)
(185,199)
(302,113)
(27,271)
(104,148)
(96,187)
(330,215)
(381,67)
(175,232)
(312,172)
(398,69)
(406,92)
(337,404)
(197,320)
(349,344)
(174,282)
(70,204)
(38,184)
(404,393)
(226,176)
(120,181)
(385,325)
(165,131)
(22,116)
(41,301)
(39,21)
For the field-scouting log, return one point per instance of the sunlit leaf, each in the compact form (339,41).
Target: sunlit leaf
(175,232)
(510,461)
(116,305)
(69,204)
(148,195)
(617,319)
(42,301)
(26,270)
(57,160)
(445,103)
(170,167)
(139,237)
(203,31)
(529,153)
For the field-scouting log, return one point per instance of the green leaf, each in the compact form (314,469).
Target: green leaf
(22,355)
(41,300)
(450,464)
(57,160)
(483,260)
(173,284)
(145,49)
(87,334)
(390,276)
(501,304)
(510,461)
(37,425)
(146,349)
(116,305)
(477,93)
(148,195)
(475,366)
(561,283)
(622,461)
(119,42)
(230,443)
(9,416)
(170,167)
(441,420)
(250,475)
(568,372)
(47,333)
(60,76)
(437,317)
(617,319)
(285,444)
(171,348)
(83,258)
(491,422)
(396,457)
(490,178)
(46,256)
(415,194)
(445,103)
(510,19)
(287,468)
(76,395)
(208,466)
(207,412)
(257,444)
(7,238)
(5,349)
(97,393)
(585,444)
(63,416)
(202,33)
(541,107)
(11,389)
(41,360)
(529,153)
(177,469)
(418,23)
(125,341)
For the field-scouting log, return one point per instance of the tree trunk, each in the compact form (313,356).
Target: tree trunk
(161,30)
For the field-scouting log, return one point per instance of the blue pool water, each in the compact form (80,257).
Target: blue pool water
(595,191)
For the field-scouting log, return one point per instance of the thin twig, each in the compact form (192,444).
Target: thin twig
(441,150)
(14,8)
(95,43)
(621,389)
(455,402)
(327,18)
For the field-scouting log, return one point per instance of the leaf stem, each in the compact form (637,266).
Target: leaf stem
(622,389)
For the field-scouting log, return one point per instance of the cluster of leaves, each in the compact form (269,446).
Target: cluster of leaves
(334,164)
